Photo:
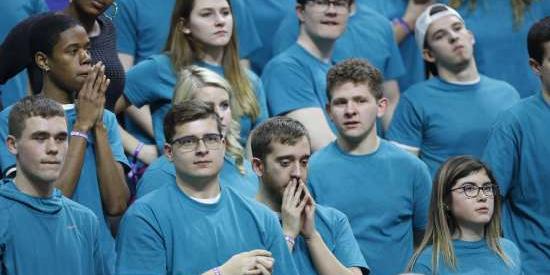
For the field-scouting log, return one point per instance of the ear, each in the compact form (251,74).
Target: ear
(258,166)
(182,26)
(300,12)
(473,37)
(41,60)
(535,66)
(382,105)
(352,9)
(428,55)
(12,144)
(168,151)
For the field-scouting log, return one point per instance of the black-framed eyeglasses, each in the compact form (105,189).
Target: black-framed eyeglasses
(472,190)
(191,143)
(340,6)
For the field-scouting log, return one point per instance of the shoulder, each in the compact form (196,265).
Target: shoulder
(289,57)
(79,210)
(257,209)
(391,151)
(329,214)
(326,153)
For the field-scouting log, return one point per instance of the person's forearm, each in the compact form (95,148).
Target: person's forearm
(142,118)
(112,185)
(148,152)
(72,166)
(324,261)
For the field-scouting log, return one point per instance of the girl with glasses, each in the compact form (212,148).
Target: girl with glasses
(463,231)
(199,83)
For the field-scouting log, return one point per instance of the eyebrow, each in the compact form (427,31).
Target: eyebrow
(473,183)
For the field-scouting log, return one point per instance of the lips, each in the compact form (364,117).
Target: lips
(351,124)
(329,23)
(458,48)
(483,210)
(202,163)
(220,33)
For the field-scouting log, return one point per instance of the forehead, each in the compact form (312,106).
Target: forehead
(477,177)
(443,22)
(52,125)
(211,94)
(210,4)
(197,127)
(350,89)
(299,149)
(74,35)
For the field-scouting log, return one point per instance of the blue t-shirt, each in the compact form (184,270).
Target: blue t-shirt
(518,152)
(143,27)
(365,27)
(496,37)
(267,16)
(11,13)
(87,188)
(167,232)
(153,81)
(334,228)
(162,172)
(411,55)
(295,79)
(473,258)
(444,119)
(52,235)
(385,196)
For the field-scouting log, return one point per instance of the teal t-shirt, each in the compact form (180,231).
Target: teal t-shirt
(162,172)
(167,232)
(443,119)
(518,152)
(49,236)
(473,258)
(334,228)
(385,196)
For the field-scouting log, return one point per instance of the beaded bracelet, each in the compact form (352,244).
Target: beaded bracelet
(404,25)
(79,134)
(289,239)
(217,271)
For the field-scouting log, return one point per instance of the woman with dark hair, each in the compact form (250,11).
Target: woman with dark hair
(463,234)
(15,53)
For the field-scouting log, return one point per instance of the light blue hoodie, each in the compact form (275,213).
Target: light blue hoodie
(51,235)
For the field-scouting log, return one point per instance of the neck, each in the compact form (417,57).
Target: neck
(52,91)
(264,197)
(32,188)
(89,23)
(213,55)
(201,189)
(465,73)
(365,146)
(470,233)
(320,48)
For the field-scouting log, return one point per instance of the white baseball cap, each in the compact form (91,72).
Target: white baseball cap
(425,20)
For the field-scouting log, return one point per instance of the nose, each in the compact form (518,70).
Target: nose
(201,148)
(350,108)
(453,36)
(52,147)
(297,170)
(220,19)
(85,57)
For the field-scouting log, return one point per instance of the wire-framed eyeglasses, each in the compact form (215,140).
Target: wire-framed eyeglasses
(471,190)
(191,143)
(340,6)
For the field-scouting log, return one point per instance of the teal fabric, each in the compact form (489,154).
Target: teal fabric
(385,196)
(51,236)
(517,152)
(167,232)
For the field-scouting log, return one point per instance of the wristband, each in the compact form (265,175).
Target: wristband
(404,26)
(217,271)
(137,150)
(289,239)
(79,134)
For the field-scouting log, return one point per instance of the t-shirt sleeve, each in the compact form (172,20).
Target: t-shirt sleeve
(421,196)
(276,244)
(114,138)
(126,27)
(394,67)
(502,154)
(406,126)
(288,88)
(7,160)
(347,249)
(139,243)
(140,83)
(152,180)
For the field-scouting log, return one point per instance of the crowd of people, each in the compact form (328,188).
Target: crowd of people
(274,137)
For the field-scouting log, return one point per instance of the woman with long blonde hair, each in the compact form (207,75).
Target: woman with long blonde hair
(201,33)
(463,234)
(195,82)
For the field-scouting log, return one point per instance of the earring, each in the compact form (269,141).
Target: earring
(114,11)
